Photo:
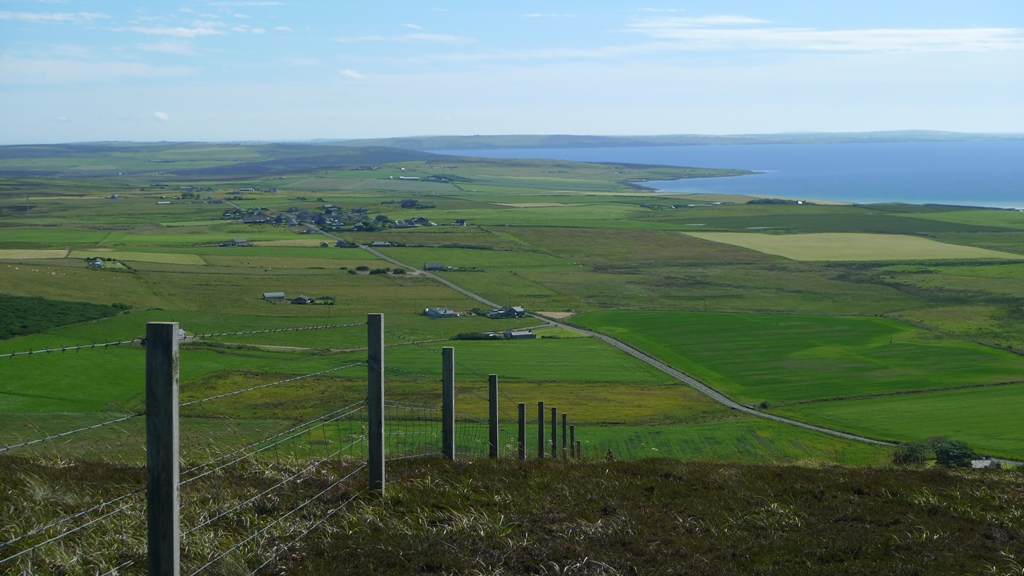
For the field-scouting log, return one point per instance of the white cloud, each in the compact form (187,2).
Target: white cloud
(241,16)
(18,70)
(171,47)
(417,37)
(283,29)
(413,26)
(538,15)
(161,116)
(258,30)
(198,28)
(240,28)
(347,73)
(721,33)
(51,16)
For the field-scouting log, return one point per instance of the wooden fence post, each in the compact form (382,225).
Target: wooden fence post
(492,397)
(572,440)
(162,441)
(554,433)
(375,398)
(579,449)
(448,402)
(540,429)
(565,437)
(522,431)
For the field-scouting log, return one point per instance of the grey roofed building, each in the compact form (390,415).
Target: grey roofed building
(433,266)
(341,244)
(301,299)
(440,313)
(519,334)
(273,295)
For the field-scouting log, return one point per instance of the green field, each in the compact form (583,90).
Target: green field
(848,316)
(845,246)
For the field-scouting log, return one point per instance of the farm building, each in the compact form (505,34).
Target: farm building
(519,334)
(440,313)
(302,300)
(433,266)
(273,295)
(340,244)
(260,218)
(380,244)
(235,242)
(508,312)
(97,263)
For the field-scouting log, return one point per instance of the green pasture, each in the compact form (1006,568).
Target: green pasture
(997,218)
(988,418)
(162,258)
(786,358)
(850,247)
(747,439)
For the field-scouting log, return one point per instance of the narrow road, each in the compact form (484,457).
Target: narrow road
(679,375)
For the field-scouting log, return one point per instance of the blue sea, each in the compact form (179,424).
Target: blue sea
(969,173)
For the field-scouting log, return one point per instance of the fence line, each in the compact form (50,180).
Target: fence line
(407,430)
(70,432)
(275,330)
(67,348)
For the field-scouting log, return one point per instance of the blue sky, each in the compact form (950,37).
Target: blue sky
(79,70)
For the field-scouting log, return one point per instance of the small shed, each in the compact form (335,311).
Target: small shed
(340,244)
(273,295)
(440,313)
(519,334)
(433,266)
(300,299)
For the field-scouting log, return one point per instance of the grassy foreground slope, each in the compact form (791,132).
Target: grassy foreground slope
(591,517)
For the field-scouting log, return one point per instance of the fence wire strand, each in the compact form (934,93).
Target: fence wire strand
(70,432)
(269,384)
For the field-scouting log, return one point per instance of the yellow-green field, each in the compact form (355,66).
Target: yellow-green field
(849,246)
(159,258)
(32,254)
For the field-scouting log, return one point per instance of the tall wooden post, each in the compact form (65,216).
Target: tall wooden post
(448,402)
(492,421)
(162,467)
(554,432)
(375,398)
(522,431)
(579,449)
(572,440)
(565,434)
(540,429)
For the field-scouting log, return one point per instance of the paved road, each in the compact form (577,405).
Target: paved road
(679,375)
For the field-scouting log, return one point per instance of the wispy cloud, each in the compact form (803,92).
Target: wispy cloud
(727,32)
(19,70)
(283,29)
(198,28)
(417,37)
(161,116)
(348,73)
(413,26)
(539,15)
(258,30)
(51,16)
(171,47)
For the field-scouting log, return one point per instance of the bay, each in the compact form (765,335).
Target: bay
(970,173)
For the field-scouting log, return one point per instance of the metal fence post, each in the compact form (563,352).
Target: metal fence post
(492,398)
(572,440)
(162,441)
(448,402)
(540,429)
(565,431)
(522,431)
(375,398)
(554,432)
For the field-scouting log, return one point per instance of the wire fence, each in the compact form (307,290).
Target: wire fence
(244,507)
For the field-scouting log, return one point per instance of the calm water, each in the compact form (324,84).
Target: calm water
(963,173)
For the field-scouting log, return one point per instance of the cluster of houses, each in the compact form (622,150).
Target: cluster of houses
(503,312)
(235,242)
(510,335)
(279,296)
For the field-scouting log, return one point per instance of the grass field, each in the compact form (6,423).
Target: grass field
(163,258)
(986,418)
(32,254)
(785,358)
(850,247)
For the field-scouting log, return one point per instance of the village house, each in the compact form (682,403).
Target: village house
(519,334)
(428,266)
(273,295)
(235,242)
(508,312)
(302,300)
(440,313)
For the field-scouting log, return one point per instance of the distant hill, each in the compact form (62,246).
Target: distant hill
(577,141)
